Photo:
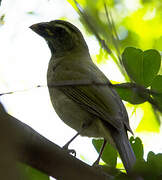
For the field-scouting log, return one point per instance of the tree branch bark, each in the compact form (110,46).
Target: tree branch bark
(28,146)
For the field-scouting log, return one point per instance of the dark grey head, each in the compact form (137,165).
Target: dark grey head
(60,35)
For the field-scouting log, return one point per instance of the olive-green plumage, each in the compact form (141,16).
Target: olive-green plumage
(97,108)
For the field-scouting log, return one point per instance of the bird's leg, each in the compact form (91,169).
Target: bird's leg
(96,163)
(72,151)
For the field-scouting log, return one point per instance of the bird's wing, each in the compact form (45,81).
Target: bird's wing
(102,101)
(98,100)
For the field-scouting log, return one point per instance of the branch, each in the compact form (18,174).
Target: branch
(87,83)
(86,18)
(28,146)
(141,91)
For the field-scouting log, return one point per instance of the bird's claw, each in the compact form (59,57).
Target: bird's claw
(72,152)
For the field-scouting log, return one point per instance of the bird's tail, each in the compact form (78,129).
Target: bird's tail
(124,148)
(120,140)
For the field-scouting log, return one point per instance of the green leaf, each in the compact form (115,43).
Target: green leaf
(30,173)
(137,146)
(158,100)
(151,65)
(109,155)
(150,170)
(132,95)
(142,67)
(157,84)
(157,87)
(132,61)
(155,162)
(150,155)
(141,167)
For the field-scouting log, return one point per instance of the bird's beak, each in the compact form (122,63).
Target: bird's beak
(41,28)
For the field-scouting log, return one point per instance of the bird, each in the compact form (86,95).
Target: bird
(80,93)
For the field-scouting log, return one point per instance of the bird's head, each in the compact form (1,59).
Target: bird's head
(61,36)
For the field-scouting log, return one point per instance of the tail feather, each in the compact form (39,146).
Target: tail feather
(124,148)
(119,139)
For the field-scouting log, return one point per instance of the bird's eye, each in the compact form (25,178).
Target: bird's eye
(49,32)
(60,30)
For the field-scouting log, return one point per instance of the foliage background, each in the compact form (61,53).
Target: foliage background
(24,60)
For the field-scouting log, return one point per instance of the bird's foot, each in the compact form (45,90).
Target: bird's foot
(70,151)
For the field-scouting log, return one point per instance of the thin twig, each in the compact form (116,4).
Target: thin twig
(86,17)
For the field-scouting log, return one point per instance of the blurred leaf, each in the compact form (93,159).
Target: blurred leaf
(81,2)
(137,146)
(155,162)
(141,167)
(131,39)
(148,18)
(101,25)
(150,170)
(30,173)
(149,121)
(146,1)
(2,21)
(141,67)
(101,57)
(109,155)
(158,43)
(31,12)
(158,100)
